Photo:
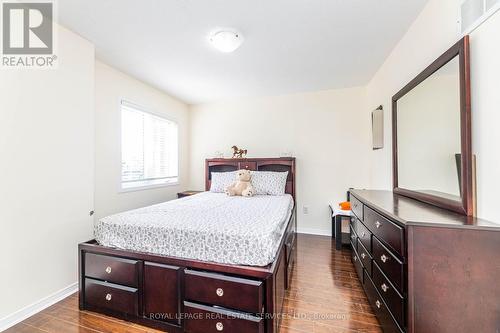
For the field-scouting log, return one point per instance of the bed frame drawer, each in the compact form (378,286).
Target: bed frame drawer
(290,244)
(112,269)
(206,319)
(227,291)
(112,297)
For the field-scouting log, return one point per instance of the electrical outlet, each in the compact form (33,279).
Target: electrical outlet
(305,210)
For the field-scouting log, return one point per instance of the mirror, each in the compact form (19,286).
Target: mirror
(431,134)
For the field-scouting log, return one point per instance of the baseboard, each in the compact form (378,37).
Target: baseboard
(36,307)
(310,231)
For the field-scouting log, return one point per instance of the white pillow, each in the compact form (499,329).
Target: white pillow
(269,182)
(221,180)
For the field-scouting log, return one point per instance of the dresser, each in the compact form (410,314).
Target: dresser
(423,268)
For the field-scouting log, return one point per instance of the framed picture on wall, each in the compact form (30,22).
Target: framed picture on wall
(378,128)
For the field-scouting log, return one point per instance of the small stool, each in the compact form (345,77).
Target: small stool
(337,215)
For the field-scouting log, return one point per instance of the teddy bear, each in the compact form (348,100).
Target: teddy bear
(242,186)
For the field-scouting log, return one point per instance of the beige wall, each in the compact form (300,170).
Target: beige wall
(47,174)
(111,87)
(328,132)
(433,32)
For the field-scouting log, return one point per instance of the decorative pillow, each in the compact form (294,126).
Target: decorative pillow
(221,180)
(269,182)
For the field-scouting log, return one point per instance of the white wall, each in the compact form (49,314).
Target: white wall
(111,86)
(47,174)
(328,132)
(485,79)
(433,32)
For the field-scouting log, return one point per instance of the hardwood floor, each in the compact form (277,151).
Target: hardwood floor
(332,301)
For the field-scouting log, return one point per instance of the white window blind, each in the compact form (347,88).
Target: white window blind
(150,154)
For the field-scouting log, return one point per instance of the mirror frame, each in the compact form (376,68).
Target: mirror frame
(466,205)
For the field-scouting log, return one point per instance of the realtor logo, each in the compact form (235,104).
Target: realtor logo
(27,34)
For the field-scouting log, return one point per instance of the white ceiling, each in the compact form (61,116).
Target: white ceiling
(290,45)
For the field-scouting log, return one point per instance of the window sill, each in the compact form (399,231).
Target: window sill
(147,187)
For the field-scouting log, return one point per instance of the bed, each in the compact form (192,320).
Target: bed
(204,263)
(248,234)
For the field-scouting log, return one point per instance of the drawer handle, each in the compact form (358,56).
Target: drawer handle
(220,292)
(108,297)
(384,287)
(363,234)
(378,304)
(352,219)
(363,255)
(378,224)
(108,270)
(383,258)
(355,258)
(219,327)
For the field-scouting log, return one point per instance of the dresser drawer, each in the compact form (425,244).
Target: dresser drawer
(389,263)
(395,302)
(227,291)
(248,165)
(112,297)
(356,207)
(206,319)
(358,266)
(387,231)
(364,235)
(365,258)
(354,238)
(352,222)
(384,316)
(112,269)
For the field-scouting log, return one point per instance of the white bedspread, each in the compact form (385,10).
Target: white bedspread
(207,226)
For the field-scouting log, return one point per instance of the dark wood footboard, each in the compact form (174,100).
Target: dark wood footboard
(180,295)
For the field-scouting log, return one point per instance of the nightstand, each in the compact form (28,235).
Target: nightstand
(338,215)
(187,193)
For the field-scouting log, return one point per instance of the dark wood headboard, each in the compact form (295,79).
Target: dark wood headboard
(280,164)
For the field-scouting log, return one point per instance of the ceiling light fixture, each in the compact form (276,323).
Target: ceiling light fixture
(226,40)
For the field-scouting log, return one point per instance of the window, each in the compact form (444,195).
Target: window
(150,154)
(476,12)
